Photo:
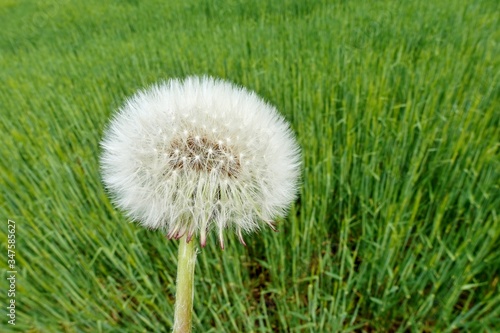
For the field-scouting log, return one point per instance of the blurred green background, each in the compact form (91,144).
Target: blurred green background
(396,107)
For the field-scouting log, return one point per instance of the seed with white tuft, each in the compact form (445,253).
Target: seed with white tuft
(173,159)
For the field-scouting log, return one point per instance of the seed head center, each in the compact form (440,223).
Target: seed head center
(203,155)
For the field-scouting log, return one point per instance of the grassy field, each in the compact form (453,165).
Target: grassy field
(395,104)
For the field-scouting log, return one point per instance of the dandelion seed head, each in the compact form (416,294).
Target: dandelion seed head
(175,157)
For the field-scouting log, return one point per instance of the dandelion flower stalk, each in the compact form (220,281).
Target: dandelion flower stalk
(185,291)
(199,156)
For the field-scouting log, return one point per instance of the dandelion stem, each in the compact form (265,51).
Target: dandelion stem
(185,292)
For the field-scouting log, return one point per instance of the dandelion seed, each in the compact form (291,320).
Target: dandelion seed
(156,204)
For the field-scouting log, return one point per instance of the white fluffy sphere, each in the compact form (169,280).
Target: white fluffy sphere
(199,154)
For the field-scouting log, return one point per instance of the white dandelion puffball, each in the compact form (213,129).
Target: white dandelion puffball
(194,155)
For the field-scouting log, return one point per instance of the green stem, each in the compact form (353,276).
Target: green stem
(185,292)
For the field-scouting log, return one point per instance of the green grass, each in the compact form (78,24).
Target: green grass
(395,104)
